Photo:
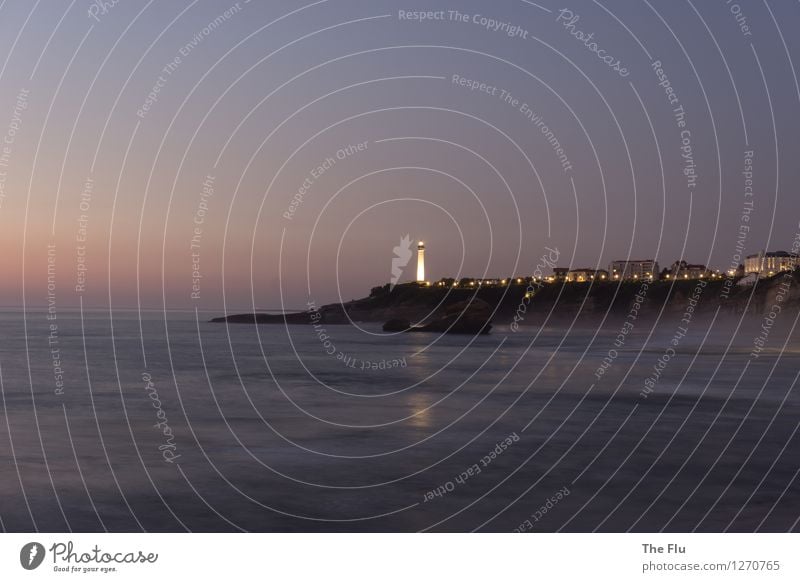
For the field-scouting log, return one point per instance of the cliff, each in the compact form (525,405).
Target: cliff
(420,305)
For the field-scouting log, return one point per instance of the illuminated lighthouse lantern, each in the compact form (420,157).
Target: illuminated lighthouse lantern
(420,262)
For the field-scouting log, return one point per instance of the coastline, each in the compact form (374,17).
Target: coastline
(510,304)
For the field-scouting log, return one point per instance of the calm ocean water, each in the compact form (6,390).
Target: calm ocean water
(170,423)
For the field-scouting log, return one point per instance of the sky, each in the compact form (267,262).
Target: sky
(226,156)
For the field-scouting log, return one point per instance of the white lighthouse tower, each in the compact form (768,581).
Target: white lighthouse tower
(420,262)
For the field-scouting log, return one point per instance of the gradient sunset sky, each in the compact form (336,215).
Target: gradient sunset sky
(256,102)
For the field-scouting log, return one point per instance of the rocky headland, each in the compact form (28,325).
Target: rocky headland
(414,308)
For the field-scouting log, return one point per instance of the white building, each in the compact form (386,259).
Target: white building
(633,270)
(771,263)
(683,270)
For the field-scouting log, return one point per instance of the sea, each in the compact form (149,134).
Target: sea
(159,421)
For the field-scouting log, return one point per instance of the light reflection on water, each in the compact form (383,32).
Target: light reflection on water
(356,443)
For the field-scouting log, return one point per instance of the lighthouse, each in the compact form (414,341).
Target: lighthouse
(420,262)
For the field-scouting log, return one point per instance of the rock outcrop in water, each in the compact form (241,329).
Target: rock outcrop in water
(328,314)
(465,317)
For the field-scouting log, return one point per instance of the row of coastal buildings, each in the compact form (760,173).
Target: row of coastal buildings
(761,264)
(764,264)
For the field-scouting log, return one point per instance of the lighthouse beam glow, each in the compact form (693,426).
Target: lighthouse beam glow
(420,262)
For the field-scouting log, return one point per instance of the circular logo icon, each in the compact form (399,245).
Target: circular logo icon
(31,555)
